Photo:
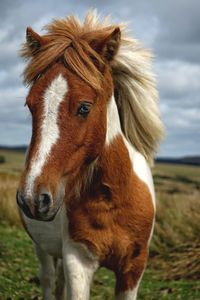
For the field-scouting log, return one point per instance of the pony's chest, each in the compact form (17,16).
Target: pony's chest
(46,234)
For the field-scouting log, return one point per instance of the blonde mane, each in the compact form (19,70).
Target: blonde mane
(137,97)
(135,86)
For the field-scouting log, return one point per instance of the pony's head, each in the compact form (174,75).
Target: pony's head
(74,70)
(71,83)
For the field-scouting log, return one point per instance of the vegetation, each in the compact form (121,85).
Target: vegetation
(174,266)
(2,159)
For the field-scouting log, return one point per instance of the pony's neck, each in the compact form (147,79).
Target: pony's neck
(113,160)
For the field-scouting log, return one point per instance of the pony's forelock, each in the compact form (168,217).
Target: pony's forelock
(68,40)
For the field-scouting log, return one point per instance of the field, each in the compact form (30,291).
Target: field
(174,265)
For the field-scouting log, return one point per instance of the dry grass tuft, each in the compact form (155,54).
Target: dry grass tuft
(176,242)
(185,262)
(8,206)
(177,221)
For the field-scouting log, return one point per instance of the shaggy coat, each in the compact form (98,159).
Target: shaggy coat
(86,194)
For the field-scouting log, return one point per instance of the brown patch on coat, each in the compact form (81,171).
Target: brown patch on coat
(115,225)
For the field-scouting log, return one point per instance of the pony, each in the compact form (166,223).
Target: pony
(86,194)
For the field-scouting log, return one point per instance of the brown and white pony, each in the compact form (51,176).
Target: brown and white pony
(86,195)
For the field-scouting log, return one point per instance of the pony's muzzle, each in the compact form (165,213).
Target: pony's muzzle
(37,208)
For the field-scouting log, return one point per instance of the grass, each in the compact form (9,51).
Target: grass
(19,266)
(9,179)
(174,266)
(14,162)
(8,186)
(178,191)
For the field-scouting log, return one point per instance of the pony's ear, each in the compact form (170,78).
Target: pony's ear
(109,46)
(34,41)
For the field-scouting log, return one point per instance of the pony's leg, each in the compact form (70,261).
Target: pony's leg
(129,294)
(47,274)
(60,281)
(128,282)
(79,267)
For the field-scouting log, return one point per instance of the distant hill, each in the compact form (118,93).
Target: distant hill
(186,160)
(21,148)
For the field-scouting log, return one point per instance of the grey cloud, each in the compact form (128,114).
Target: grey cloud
(180,145)
(178,80)
(170,28)
(15,134)
(178,37)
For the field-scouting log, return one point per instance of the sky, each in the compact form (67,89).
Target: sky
(170,28)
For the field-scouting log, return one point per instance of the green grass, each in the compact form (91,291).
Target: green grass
(177,227)
(19,266)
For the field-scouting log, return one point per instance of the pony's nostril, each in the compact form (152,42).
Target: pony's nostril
(25,204)
(19,198)
(44,202)
(46,199)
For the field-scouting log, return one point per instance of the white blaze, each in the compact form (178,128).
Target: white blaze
(52,98)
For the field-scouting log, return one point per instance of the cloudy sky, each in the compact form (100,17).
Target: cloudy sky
(171,28)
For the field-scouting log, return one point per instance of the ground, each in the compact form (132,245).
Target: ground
(173,270)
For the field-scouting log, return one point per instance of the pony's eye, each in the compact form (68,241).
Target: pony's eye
(84,109)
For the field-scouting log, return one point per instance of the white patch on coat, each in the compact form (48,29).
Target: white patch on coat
(113,121)
(53,97)
(139,163)
(141,168)
(143,171)
(46,234)
(47,274)
(79,266)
